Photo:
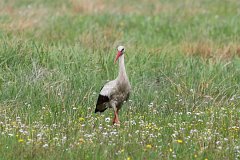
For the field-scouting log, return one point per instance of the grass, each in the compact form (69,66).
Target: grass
(182,59)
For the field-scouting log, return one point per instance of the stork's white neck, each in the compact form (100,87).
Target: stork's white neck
(122,75)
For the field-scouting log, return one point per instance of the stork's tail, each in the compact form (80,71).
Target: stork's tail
(97,110)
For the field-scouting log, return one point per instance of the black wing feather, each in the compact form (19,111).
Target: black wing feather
(100,107)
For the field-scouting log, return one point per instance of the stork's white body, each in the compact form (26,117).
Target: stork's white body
(115,92)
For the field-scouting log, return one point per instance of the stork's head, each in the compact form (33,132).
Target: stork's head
(121,51)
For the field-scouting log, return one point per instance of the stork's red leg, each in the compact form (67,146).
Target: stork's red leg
(116,119)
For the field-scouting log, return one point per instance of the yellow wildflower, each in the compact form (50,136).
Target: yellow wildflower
(180,141)
(149,146)
(20,140)
(81,119)
(170,149)
(195,156)
(128,158)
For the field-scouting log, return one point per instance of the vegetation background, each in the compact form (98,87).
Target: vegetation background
(182,58)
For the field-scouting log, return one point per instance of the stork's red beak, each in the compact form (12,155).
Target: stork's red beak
(118,55)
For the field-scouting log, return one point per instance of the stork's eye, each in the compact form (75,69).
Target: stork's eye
(122,50)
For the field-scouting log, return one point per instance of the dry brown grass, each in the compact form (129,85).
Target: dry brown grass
(28,17)
(86,6)
(105,38)
(34,16)
(140,7)
(23,18)
(201,48)
(208,49)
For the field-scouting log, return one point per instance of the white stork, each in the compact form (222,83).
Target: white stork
(115,92)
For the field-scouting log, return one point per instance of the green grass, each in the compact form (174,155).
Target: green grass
(182,59)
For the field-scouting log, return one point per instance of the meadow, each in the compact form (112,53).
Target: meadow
(182,59)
